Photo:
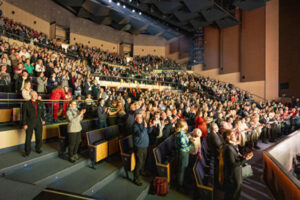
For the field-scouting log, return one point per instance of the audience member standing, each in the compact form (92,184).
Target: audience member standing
(74,130)
(233,162)
(215,142)
(183,147)
(201,124)
(102,113)
(140,132)
(33,118)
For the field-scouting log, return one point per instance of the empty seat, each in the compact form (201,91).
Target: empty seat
(165,157)
(127,153)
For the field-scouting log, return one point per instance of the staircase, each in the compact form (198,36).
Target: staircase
(30,175)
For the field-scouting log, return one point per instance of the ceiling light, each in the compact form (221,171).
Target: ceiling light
(118,4)
(133,10)
(124,6)
(140,13)
(109,1)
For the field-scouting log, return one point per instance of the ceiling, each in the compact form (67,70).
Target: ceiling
(166,18)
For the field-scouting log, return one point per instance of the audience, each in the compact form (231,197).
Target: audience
(212,109)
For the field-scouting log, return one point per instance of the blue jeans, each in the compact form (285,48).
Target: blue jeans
(102,124)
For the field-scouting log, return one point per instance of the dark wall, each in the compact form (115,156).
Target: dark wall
(289,46)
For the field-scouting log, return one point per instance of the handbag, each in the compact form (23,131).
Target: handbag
(247,171)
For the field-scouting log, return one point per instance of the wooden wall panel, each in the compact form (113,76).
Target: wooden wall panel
(253,45)
(211,52)
(230,41)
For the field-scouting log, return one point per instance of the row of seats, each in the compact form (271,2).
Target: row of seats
(103,142)
(165,157)
(87,125)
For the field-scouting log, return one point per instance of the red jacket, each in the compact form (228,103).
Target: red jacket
(57,94)
(68,96)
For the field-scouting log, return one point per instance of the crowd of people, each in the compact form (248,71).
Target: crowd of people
(225,117)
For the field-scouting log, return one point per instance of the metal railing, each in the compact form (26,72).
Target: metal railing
(17,104)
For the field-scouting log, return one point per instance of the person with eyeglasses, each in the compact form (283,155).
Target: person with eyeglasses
(74,117)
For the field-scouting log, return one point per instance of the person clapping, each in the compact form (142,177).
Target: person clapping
(74,130)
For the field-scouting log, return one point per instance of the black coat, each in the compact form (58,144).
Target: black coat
(28,113)
(232,165)
(18,83)
(214,142)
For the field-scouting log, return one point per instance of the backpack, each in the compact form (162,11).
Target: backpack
(160,186)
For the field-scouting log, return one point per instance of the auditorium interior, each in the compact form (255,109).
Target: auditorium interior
(149,99)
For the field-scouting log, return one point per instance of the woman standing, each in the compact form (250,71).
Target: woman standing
(233,162)
(183,147)
(41,83)
(74,130)
(201,124)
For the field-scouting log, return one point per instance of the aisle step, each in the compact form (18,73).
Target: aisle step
(45,171)
(122,188)
(13,160)
(87,180)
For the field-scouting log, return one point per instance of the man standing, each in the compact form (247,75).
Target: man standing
(141,142)
(33,119)
(102,114)
(215,142)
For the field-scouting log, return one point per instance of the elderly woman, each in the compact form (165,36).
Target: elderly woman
(74,130)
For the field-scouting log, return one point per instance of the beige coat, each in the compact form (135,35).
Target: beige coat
(74,117)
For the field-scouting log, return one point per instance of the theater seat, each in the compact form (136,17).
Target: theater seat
(98,146)
(165,157)
(127,153)
(204,182)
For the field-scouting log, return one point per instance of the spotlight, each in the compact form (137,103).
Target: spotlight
(124,6)
(118,4)
(140,13)
(133,10)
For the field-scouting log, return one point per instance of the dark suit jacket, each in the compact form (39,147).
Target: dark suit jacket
(214,142)
(18,83)
(28,112)
(232,165)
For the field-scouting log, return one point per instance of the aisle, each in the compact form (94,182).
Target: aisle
(254,188)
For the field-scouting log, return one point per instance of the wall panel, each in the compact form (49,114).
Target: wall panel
(253,45)
(26,18)
(230,50)
(211,52)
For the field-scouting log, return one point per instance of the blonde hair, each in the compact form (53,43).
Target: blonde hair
(180,125)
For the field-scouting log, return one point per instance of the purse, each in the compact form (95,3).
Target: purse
(247,171)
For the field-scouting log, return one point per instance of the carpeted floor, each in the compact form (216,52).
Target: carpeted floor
(23,178)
